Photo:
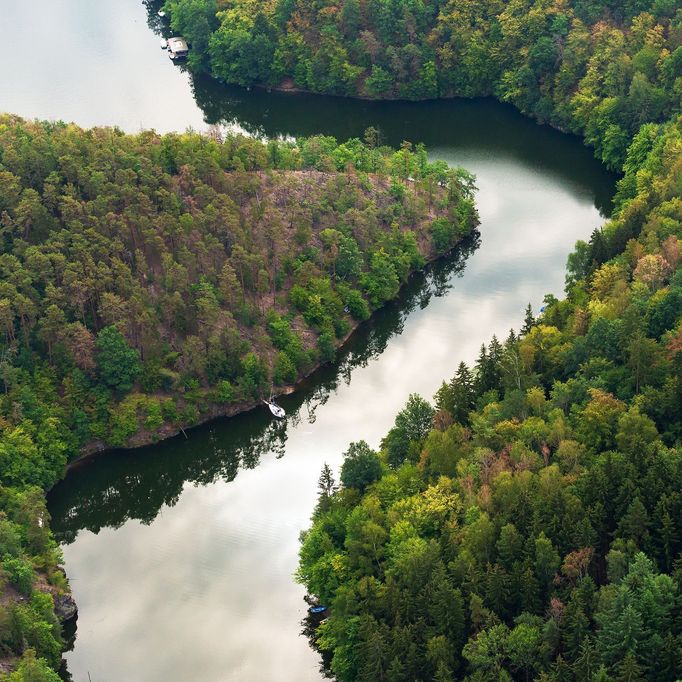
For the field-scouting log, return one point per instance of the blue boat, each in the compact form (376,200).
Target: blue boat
(317,609)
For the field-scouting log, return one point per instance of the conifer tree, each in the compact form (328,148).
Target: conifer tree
(528,321)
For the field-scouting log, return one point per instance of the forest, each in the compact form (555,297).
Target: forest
(526,525)
(596,68)
(150,282)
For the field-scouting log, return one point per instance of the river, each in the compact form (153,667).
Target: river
(181,555)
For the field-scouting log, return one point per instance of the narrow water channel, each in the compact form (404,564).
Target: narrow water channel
(181,556)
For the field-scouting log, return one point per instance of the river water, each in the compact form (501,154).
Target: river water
(181,555)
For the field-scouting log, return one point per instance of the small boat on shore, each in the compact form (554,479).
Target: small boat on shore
(316,610)
(164,44)
(177,48)
(276,410)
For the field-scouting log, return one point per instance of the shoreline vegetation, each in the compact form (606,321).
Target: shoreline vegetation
(168,430)
(142,439)
(595,68)
(151,282)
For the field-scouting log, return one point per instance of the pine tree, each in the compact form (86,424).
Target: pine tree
(509,546)
(458,396)
(480,365)
(443,673)
(666,533)
(635,524)
(598,249)
(669,665)
(561,670)
(511,340)
(396,671)
(586,663)
(497,589)
(372,651)
(629,670)
(463,394)
(326,486)
(600,676)
(487,369)
(444,398)
(495,350)
(621,632)
(446,609)
(528,321)
(575,627)
(529,591)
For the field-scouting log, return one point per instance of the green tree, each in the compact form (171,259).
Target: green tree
(523,649)
(361,466)
(195,20)
(326,484)
(487,652)
(412,424)
(118,364)
(33,669)
(243,54)
(381,283)
(635,617)
(351,20)
(379,83)
(547,560)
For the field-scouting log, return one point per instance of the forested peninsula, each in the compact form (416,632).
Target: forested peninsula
(150,282)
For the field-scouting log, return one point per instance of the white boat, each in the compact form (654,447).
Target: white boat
(164,43)
(177,48)
(161,13)
(276,410)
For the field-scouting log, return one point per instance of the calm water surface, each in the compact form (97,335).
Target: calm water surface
(181,555)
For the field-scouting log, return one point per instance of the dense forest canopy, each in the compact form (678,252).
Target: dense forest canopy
(148,282)
(593,67)
(528,525)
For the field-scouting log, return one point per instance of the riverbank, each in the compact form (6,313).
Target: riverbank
(144,438)
(553,65)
